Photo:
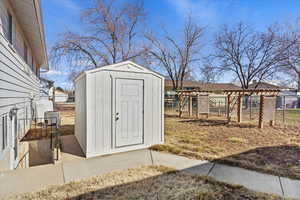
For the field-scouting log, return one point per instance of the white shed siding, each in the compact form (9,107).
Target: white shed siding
(100,99)
(17,82)
(157,108)
(80,120)
(100,117)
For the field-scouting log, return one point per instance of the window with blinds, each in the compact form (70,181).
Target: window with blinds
(3,134)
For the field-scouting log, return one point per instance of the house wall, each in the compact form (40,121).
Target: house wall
(99,109)
(61,97)
(18,81)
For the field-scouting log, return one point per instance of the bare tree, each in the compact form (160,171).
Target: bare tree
(208,71)
(177,56)
(111,35)
(291,65)
(250,55)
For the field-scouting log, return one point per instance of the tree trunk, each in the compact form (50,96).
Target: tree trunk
(298,106)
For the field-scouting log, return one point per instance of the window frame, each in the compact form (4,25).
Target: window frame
(9,27)
(25,52)
(32,63)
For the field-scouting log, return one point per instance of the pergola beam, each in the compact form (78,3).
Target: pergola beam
(230,96)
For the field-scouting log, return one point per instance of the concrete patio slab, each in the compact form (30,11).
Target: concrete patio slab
(100,165)
(37,178)
(201,169)
(30,179)
(181,163)
(291,188)
(250,179)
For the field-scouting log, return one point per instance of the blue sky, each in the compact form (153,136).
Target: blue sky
(62,15)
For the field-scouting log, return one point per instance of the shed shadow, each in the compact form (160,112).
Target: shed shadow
(218,122)
(70,148)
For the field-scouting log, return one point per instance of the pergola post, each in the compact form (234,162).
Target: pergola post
(198,107)
(190,106)
(228,107)
(239,109)
(250,107)
(261,112)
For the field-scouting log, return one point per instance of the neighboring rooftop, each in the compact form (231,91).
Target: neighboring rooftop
(267,86)
(205,86)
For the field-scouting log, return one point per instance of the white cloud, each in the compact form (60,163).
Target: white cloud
(208,11)
(203,9)
(66,84)
(55,72)
(69,4)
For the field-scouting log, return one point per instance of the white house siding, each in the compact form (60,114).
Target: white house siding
(17,81)
(61,97)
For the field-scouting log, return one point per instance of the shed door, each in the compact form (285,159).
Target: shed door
(129,112)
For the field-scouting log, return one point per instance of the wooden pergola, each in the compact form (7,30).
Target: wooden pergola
(233,97)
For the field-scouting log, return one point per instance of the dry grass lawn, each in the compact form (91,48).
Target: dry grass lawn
(67,122)
(67,115)
(151,182)
(274,150)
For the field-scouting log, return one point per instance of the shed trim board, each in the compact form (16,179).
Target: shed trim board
(113,67)
(101,102)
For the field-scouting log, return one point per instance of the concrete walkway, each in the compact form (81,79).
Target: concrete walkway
(37,178)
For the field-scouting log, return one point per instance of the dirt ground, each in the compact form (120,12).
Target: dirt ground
(274,150)
(151,182)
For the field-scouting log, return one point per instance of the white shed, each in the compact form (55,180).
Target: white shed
(119,108)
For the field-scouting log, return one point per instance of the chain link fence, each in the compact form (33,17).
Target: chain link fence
(287,108)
